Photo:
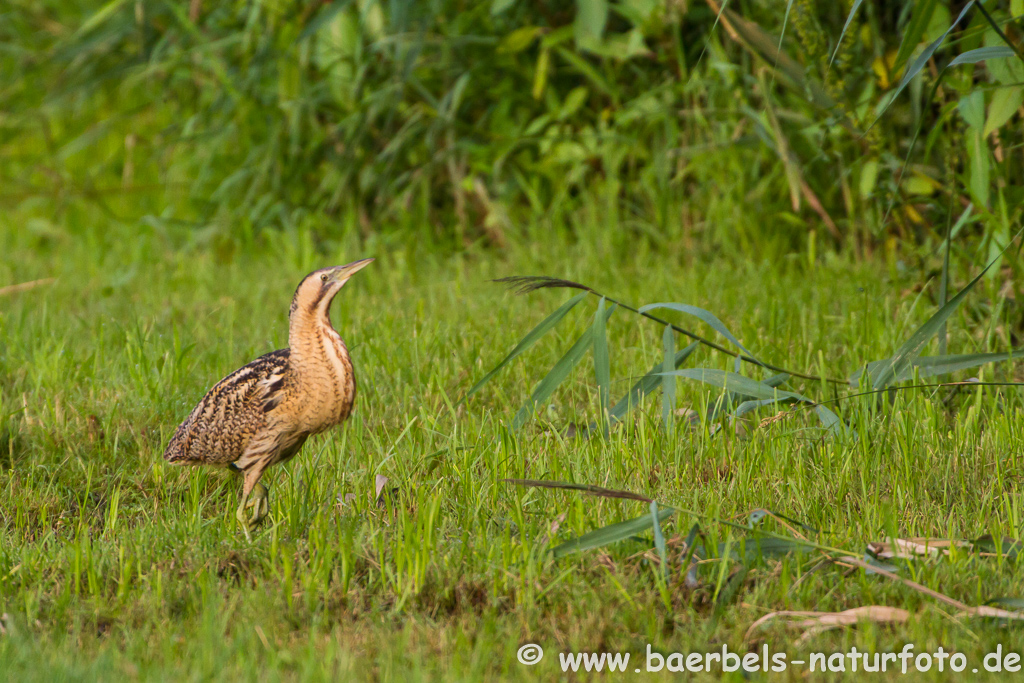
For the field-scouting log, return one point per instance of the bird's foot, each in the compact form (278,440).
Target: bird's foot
(259,502)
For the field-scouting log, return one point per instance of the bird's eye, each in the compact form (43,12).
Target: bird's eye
(324,277)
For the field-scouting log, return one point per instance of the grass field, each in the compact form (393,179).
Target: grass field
(114,565)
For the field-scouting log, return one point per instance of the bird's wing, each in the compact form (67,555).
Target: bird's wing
(271,388)
(223,423)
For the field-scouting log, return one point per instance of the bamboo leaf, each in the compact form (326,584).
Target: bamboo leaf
(922,59)
(659,538)
(610,534)
(742,401)
(526,342)
(702,314)
(934,366)
(912,35)
(750,406)
(829,420)
(757,546)
(901,362)
(556,375)
(648,383)
(745,386)
(739,384)
(981,54)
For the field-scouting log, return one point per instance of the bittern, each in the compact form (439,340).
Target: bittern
(262,413)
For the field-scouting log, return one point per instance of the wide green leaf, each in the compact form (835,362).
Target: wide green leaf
(762,546)
(556,376)
(1005,103)
(891,368)
(922,60)
(648,383)
(981,54)
(591,17)
(529,340)
(610,534)
(703,315)
(742,400)
(919,20)
(934,366)
(759,391)
(737,383)
(499,6)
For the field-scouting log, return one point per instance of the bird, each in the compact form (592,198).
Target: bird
(262,413)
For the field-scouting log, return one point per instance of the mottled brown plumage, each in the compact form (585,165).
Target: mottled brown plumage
(262,413)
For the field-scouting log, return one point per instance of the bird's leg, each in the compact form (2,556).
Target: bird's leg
(243,521)
(250,486)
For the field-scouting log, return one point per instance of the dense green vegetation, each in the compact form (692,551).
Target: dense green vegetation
(476,121)
(170,171)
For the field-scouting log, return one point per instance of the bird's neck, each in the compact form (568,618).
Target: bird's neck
(314,343)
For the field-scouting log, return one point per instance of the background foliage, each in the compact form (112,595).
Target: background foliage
(464,121)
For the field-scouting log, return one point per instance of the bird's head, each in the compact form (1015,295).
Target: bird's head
(316,291)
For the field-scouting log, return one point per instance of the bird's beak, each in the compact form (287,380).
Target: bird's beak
(342,273)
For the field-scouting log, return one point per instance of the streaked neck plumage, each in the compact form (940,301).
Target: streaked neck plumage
(312,338)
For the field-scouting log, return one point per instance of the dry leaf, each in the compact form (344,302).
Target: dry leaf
(381,482)
(910,548)
(12,289)
(816,622)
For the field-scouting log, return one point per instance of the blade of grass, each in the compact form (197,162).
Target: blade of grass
(659,538)
(602,371)
(846,26)
(668,383)
(944,280)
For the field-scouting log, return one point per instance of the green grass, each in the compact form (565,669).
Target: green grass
(114,564)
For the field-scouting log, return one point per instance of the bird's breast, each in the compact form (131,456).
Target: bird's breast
(324,383)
